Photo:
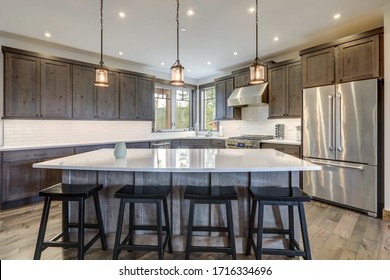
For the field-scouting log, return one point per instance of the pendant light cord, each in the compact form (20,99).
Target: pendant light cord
(257,29)
(101,32)
(177,30)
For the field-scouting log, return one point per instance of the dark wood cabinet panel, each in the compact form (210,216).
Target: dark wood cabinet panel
(138,145)
(285,90)
(277,91)
(223,89)
(293,150)
(145,99)
(318,68)
(359,59)
(22,85)
(107,98)
(128,96)
(83,92)
(56,95)
(241,79)
(294,89)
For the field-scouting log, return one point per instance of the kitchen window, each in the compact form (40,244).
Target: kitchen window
(173,109)
(208,109)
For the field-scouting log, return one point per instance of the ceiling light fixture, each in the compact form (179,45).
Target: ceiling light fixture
(190,12)
(122,14)
(257,69)
(177,70)
(101,79)
(337,16)
(47,34)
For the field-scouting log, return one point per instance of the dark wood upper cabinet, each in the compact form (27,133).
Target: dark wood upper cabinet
(352,58)
(223,89)
(318,68)
(285,90)
(145,98)
(107,98)
(128,96)
(241,78)
(22,85)
(83,92)
(359,59)
(56,85)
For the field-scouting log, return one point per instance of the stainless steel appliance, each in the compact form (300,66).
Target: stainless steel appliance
(246,141)
(340,132)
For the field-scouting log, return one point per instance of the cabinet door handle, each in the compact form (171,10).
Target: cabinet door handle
(40,155)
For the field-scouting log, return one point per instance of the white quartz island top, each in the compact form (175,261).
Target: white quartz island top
(182,160)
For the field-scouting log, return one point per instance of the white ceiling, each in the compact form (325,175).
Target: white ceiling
(147,34)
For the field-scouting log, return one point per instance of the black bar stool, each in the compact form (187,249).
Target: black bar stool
(143,194)
(290,196)
(212,195)
(65,193)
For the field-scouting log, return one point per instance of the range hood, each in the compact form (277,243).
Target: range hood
(249,95)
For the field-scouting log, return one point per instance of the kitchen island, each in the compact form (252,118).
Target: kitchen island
(180,167)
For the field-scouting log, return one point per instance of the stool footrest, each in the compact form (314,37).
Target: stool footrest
(284,252)
(210,229)
(216,249)
(148,227)
(273,231)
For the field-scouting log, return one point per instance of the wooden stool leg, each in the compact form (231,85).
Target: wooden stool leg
(167,225)
(131,223)
(80,246)
(119,229)
(232,241)
(42,228)
(99,218)
(189,229)
(159,231)
(251,228)
(291,227)
(65,221)
(305,235)
(259,248)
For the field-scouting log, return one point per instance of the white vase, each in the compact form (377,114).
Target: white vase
(120,150)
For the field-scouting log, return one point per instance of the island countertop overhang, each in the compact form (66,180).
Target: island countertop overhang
(182,160)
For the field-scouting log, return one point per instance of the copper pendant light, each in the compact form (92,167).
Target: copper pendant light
(257,70)
(177,70)
(101,79)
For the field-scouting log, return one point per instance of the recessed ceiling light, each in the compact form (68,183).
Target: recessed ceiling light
(47,34)
(251,10)
(120,53)
(190,12)
(208,62)
(183,29)
(162,63)
(276,38)
(121,14)
(189,70)
(235,53)
(337,16)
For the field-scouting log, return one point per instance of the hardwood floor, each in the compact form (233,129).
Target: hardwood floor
(335,234)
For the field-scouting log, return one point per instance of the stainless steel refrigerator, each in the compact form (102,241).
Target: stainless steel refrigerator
(340,131)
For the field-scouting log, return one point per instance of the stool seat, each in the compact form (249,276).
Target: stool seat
(143,192)
(279,194)
(132,195)
(67,193)
(211,195)
(290,197)
(70,190)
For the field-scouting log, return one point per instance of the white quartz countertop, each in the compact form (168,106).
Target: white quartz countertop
(182,160)
(282,141)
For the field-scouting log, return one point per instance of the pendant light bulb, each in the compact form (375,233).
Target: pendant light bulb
(177,70)
(257,70)
(101,79)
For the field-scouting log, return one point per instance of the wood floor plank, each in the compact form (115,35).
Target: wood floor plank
(335,233)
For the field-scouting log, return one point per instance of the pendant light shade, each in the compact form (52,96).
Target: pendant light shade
(257,70)
(177,70)
(101,79)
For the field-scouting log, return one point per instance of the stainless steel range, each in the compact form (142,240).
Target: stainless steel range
(246,141)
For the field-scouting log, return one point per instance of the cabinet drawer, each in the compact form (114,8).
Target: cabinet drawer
(11,156)
(175,144)
(195,142)
(218,143)
(293,150)
(138,145)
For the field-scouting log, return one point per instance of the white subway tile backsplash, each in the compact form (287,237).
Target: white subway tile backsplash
(255,121)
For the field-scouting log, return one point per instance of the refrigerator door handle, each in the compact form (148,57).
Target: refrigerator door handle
(344,165)
(338,119)
(330,122)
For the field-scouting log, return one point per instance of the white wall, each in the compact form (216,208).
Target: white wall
(387,105)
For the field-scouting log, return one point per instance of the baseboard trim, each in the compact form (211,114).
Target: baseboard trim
(386,215)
